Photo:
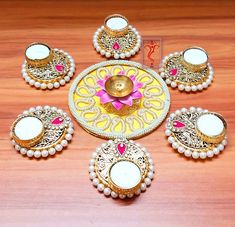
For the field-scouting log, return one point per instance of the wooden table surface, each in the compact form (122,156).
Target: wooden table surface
(57,191)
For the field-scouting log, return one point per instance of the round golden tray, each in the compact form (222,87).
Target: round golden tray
(137,120)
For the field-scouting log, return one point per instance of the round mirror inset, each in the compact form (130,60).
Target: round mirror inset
(37,51)
(116,23)
(195,56)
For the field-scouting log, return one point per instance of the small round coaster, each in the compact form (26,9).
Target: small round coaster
(47,68)
(196,133)
(121,168)
(189,70)
(116,38)
(96,99)
(41,131)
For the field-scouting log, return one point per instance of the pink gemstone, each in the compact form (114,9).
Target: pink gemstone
(59,68)
(116,46)
(173,72)
(121,148)
(57,121)
(178,124)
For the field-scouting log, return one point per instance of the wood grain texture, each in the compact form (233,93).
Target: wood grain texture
(57,191)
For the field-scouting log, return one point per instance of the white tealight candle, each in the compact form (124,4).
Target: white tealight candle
(28,128)
(195,56)
(37,52)
(210,125)
(125,174)
(116,23)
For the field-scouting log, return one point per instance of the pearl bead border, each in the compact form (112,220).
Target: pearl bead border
(135,134)
(107,54)
(181,87)
(191,152)
(108,191)
(52,150)
(50,86)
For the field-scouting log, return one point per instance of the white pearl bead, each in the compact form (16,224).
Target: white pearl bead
(122,56)
(138,192)
(204,85)
(143,187)
(130,195)
(216,151)
(188,88)
(181,87)
(91,168)
(151,167)
(95,182)
(94,154)
(52,151)
(224,142)
(132,52)
(114,194)
(37,85)
(187,153)
(43,86)
(64,143)
(17,147)
(171,139)
(92,162)
(122,196)
(116,56)
(37,154)
(162,74)
(92,175)
(183,110)
(31,82)
(100,187)
(56,85)
(192,109)
(194,88)
(58,147)
(68,137)
(108,55)
(203,155)
(167,132)
(102,52)
(70,131)
(173,84)
(44,153)
(177,112)
(32,109)
(67,78)
(70,74)
(210,154)
(195,155)
(150,175)
(107,191)
(175,145)
(221,147)
(168,81)
(147,181)
(23,151)
(50,86)
(62,82)
(128,54)
(30,153)
(181,150)
(199,87)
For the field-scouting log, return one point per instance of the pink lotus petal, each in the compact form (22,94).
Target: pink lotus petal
(136,95)
(136,83)
(106,98)
(106,77)
(101,83)
(100,93)
(126,100)
(121,73)
(117,105)
(132,77)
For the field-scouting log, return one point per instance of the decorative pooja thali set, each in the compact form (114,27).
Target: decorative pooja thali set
(118,100)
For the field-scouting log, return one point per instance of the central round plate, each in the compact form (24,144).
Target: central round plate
(119,86)
(138,120)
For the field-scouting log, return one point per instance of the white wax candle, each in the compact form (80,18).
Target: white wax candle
(210,125)
(37,51)
(116,23)
(125,174)
(195,56)
(28,128)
